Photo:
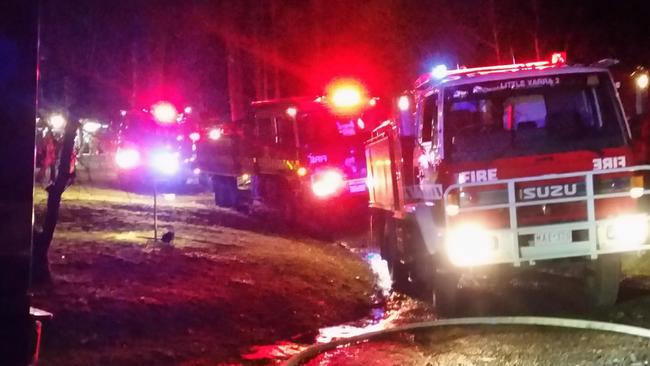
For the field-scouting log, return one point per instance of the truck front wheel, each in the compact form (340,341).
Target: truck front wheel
(602,280)
(217,187)
(229,192)
(445,294)
(225,191)
(397,267)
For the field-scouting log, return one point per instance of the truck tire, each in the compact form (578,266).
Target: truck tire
(429,284)
(288,206)
(602,280)
(217,189)
(445,294)
(397,268)
(225,191)
(229,192)
(377,223)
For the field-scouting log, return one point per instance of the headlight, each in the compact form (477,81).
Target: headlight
(637,186)
(327,183)
(469,244)
(165,162)
(452,208)
(628,231)
(127,158)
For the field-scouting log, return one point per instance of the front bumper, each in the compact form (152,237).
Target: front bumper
(146,175)
(468,246)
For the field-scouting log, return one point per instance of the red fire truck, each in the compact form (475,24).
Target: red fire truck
(300,156)
(510,165)
(156,145)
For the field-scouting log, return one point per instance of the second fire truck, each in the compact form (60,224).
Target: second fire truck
(303,157)
(512,165)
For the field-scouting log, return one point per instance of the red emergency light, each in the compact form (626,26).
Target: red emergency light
(164,112)
(346,96)
(558,58)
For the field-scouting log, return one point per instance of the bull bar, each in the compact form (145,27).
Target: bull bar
(508,248)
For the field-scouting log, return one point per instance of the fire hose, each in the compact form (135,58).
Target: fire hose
(317,349)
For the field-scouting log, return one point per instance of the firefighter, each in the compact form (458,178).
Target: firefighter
(46,159)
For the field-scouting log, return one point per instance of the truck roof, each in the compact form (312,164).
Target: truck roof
(502,72)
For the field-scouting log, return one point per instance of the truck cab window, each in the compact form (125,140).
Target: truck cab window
(286,136)
(429,115)
(266,130)
(248,127)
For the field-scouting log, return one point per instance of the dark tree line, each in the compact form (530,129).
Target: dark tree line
(213,53)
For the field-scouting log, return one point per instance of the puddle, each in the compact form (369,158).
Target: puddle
(391,309)
(274,352)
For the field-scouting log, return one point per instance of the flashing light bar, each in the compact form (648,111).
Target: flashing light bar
(440,71)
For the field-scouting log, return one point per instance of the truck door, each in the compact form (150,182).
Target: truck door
(428,152)
(265,136)
(286,140)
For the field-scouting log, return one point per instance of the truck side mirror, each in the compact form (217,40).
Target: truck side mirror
(640,127)
(640,77)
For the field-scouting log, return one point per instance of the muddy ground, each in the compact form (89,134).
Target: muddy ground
(236,289)
(227,283)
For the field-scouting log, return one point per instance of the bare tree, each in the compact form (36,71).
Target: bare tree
(43,239)
(496,43)
(535,8)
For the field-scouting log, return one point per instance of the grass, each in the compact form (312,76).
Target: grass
(228,283)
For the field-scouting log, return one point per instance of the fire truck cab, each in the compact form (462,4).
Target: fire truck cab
(512,165)
(295,155)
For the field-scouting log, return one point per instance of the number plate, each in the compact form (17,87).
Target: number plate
(553,237)
(356,187)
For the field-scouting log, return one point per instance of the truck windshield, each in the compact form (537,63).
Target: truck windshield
(529,116)
(146,130)
(321,129)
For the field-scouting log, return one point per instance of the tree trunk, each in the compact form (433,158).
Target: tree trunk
(234,60)
(536,30)
(495,30)
(273,13)
(42,240)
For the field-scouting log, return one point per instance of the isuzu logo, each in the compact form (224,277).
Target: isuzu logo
(552,191)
